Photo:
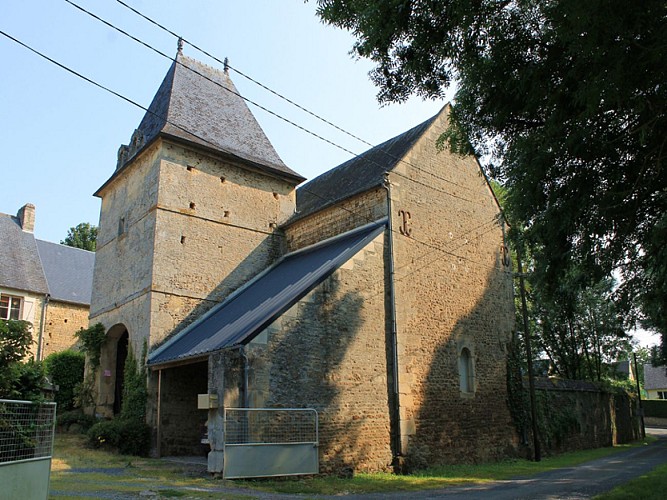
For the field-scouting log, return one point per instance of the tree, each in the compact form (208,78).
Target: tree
(82,236)
(568,99)
(19,379)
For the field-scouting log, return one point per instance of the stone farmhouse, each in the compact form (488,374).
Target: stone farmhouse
(46,284)
(378,293)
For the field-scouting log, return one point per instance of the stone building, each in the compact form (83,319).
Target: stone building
(46,284)
(378,293)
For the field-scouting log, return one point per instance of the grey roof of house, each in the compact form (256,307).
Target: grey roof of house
(200,104)
(20,266)
(655,377)
(245,313)
(358,174)
(68,271)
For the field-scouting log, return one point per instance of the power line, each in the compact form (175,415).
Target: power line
(89,80)
(157,51)
(226,64)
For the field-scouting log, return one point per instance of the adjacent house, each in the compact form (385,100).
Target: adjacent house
(46,284)
(655,381)
(379,293)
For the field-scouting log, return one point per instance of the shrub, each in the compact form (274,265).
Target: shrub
(127,436)
(105,434)
(66,370)
(70,421)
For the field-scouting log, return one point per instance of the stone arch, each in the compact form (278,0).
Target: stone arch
(112,363)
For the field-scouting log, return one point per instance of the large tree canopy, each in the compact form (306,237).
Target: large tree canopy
(568,99)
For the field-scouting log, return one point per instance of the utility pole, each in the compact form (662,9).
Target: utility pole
(529,358)
(639,396)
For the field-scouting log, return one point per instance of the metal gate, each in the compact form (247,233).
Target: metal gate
(262,442)
(26,446)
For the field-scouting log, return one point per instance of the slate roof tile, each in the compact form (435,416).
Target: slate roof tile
(358,174)
(200,104)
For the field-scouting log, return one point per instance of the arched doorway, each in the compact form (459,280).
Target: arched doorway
(121,357)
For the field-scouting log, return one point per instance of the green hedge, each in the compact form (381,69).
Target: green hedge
(66,371)
(655,408)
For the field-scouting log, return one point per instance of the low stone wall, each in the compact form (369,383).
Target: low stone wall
(578,415)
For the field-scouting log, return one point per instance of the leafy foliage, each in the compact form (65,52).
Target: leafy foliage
(92,339)
(83,236)
(15,341)
(75,419)
(18,379)
(568,99)
(66,369)
(128,433)
(135,393)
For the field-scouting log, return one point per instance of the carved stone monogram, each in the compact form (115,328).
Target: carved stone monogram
(406,225)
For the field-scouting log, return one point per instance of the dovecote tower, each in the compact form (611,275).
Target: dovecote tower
(188,215)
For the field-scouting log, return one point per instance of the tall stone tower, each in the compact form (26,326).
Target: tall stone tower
(188,216)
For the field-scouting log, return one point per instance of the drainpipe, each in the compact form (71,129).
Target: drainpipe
(159,414)
(397,445)
(245,401)
(47,297)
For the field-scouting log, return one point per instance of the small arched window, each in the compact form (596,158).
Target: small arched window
(466,381)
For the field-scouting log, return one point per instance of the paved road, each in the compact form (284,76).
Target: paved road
(583,481)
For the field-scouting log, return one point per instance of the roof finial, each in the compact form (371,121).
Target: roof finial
(226,68)
(180,46)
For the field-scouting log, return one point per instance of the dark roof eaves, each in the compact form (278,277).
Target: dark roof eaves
(261,167)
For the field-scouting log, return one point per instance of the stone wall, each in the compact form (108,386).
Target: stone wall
(453,293)
(328,352)
(63,320)
(337,219)
(182,425)
(583,417)
(179,231)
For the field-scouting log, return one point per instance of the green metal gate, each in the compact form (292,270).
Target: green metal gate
(26,447)
(262,442)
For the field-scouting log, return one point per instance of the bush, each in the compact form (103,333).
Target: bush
(70,421)
(66,370)
(126,436)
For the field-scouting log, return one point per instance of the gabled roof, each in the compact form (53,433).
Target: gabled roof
(40,267)
(200,104)
(358,174)
(655,377)
(68,271)
(20,266)
(249,310)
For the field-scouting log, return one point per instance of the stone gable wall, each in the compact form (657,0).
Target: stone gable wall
(63,320)
(453,292)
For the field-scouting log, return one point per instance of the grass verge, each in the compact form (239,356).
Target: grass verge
(651,486)
(80,472)
(437,477)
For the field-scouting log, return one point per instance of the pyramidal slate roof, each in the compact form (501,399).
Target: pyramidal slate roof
(201,105)
(20,265)
(358,174)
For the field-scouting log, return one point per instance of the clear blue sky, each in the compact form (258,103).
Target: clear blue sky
(60,134)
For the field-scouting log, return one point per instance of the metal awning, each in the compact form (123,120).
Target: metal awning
(253,307)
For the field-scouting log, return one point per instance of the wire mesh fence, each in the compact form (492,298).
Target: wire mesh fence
(270,426)
(26,430)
